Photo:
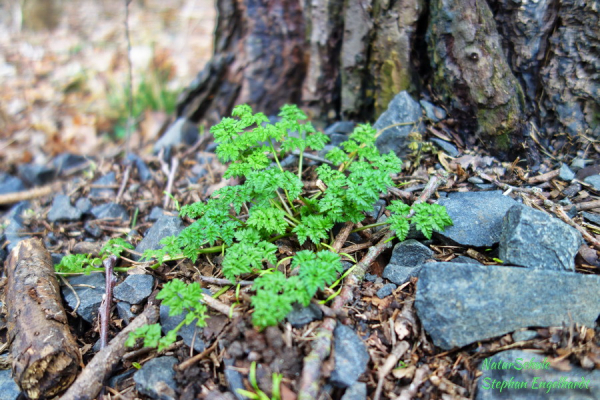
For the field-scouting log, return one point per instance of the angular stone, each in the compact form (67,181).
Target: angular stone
(155,214)
(533,239)
(66,161)
(89,289)
(110,211)
(410,253)
(182,131)
(165,226)
(358,391)
(592,217)
(36,174)
(433,112)
(143,171)
(593,180)
(465,260)
(84,205)
(447,147)
(399,274)
(10,184)
(9,390)
(565,173)
(459,304)
(106,192)
(350,357)
(402,109)
(15,225)
(62,210)
(530,370)
(343,127)
(476,216)
(125,313)
(135,288)
(189,333)
(234,379)
(301,316)
(156,378)
(386,290)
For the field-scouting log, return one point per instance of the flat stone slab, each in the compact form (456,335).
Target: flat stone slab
(477,217)
(533,239)
(459,304)
(350,357)
(522,375)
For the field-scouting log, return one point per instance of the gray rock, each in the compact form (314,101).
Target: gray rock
(124,311)
(62,210)
(104,193)
(370,277)
(301,316)
(446,146)
(399,274)
(475,180)
(465,260)
(533,239)
(110,211)
(182,131)
(485,186)
(358,391)
(155,214)
(459,304)
(234,379)
(65,161)
(93,229)
(377,209)
(156,378)
(89,289)
(593,218)
(350,357)
(14,225)
(189,333)
(135,288)
(84,205)
(578,163)
(433,112)
(407,258)
(343,127)
(401,109)
(165,226)
(565,173)
(522,336)
(477,217)
(593,180)
(10,184)
(143,171)
(530,376)
(337,139)
(8,388)
(410,253)
(36,174)
(386,290)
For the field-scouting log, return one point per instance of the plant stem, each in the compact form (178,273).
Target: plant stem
(300,159)
(362,228)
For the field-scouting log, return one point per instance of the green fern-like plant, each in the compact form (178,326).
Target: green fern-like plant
(244,221)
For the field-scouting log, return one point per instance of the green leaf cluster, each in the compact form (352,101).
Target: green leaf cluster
(85,263)
(243,221)
(181,298)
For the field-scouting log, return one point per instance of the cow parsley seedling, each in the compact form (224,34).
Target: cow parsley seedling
(245,220)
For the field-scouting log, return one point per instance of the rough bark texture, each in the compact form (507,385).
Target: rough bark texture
(45,355)
(531,62)
(259,60)
(471,73)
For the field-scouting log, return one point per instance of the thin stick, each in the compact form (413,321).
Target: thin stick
(560,213)
(123,184)
(219,306)
(172,171)
(90,381)
(109,264)
(15,197)
(342,236)
(223,282)
(544,177)
(389,364)
(193,360)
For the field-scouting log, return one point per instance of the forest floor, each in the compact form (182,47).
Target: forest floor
(66,92)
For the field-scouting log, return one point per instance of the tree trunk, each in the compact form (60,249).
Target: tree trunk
(498,67)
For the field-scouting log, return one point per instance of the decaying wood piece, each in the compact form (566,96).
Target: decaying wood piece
(90,381)
(45,355)
(471,73)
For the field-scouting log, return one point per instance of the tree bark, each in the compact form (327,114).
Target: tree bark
(497,70)
(45,355)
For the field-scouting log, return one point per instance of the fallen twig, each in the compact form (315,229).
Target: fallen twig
(410,392)
(170,180)
(193,360)
(109,264)
(560,213)
(123,184)
(90,381)
(10,198)
(389,364)
(219,306)
(543,177)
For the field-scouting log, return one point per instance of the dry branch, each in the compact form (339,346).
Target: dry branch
(90,381)
(45,355)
